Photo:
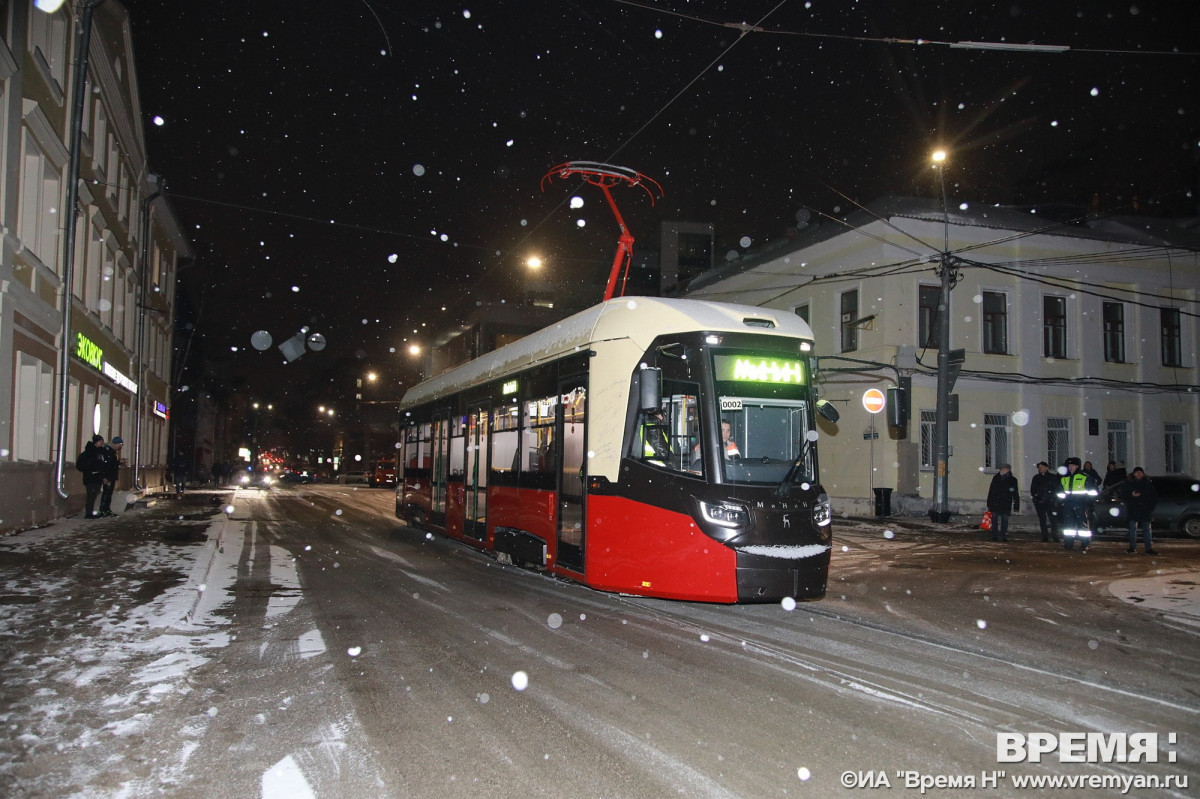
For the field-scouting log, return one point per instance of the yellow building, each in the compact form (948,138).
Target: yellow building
(1078,333)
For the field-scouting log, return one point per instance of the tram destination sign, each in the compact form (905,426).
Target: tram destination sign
(758,369)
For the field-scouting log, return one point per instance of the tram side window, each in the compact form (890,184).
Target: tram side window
(538,439)
(425,447)
(458,426)
(410,447)
(506,422)
(671,439)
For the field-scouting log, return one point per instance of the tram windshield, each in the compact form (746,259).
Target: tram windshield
(765,438)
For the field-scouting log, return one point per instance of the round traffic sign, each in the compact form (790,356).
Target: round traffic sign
(873,400)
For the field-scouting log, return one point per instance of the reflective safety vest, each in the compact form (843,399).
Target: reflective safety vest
(731,450)
(654,441)
(1075,486)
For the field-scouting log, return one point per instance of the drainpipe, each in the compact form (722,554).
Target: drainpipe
(64,344)
(139,406)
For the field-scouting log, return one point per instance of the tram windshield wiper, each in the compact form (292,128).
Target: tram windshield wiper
(795,472)
(827,411)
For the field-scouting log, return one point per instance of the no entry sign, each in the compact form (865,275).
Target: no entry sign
(873,400)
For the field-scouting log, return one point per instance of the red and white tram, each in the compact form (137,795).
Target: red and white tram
(656,447)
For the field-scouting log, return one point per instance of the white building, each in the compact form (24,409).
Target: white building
(127,244)
(1080,338)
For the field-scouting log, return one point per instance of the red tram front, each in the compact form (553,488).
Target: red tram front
(662,448)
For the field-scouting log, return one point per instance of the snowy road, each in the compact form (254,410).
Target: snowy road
(308,644)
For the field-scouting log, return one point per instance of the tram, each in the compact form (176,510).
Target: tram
(647,446)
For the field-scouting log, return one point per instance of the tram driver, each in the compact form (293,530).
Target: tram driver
(729,447)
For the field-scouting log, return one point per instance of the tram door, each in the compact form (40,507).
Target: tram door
(475,494)
(441,467)
(572,473)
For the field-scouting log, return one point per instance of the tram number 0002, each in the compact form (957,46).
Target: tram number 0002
(728,404)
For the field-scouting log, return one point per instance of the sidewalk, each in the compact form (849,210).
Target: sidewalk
(1172,585)
(99,629)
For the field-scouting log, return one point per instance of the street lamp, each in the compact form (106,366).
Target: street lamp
(534,262)
(940,512)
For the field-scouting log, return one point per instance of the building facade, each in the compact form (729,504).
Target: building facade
(1078,338)
(111,326)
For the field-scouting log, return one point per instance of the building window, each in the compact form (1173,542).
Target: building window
(1114,332)
(1174,453)
(802,312)
(995,440)
(995,323)
(37,224)
(1054,327)
(1117,440)
(48,39)
(1172,337)
(849,316)
(1058,441)
(928,298)
(33,409)
(928,439)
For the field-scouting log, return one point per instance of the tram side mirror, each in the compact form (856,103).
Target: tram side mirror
(649,390)
(827,411)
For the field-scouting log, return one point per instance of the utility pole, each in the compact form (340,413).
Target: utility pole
(940,512)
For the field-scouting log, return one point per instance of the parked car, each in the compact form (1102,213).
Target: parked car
(346,478)
(1178,508)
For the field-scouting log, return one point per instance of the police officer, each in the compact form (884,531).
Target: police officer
(1077,491)
(1044,489)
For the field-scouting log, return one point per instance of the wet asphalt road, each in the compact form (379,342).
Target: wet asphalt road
(305,642)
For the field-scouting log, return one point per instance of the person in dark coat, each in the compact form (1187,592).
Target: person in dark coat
(112,471)
(1044,491)
(1115,474)
(181,469)
(1003,499)
(91,463)
(1140,499)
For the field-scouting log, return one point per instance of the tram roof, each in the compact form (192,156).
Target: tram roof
(639,319)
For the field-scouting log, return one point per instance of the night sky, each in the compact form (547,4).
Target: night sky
(356,166)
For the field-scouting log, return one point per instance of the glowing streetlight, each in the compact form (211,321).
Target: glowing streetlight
(534,262)
(940,511)
(414,349)
(372,377)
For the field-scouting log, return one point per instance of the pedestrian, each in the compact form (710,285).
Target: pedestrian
(1140,499)
(91,463)
(1077,491)
(1090,471)
(1115,474)
(1003,499)
(1044,491)
(112,471)
(181,467)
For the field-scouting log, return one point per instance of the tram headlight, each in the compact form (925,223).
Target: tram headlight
(822,511)
(725,514)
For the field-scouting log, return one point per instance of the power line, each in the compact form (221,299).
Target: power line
(1029,47)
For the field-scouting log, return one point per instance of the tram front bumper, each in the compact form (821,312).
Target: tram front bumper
(771,573)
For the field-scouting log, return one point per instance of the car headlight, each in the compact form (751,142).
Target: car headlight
(822,511)
(725,514)
(245,478)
